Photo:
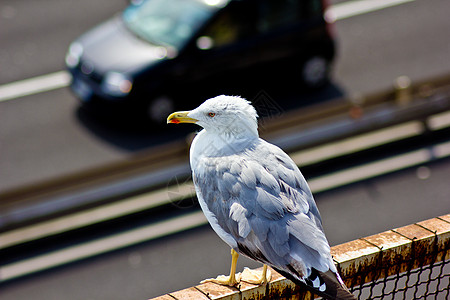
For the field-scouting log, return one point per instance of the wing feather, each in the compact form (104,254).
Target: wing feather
(247,175)
(269,206)
(279,239)
(239,214)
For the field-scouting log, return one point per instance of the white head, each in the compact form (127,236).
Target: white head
(229,115)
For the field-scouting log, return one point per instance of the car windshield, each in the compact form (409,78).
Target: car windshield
(167,23)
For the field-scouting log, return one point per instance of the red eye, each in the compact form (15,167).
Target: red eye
(211,114)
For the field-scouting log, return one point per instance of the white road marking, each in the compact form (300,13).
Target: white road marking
(61,79)
(439,121)
(34,85)
(96,215)
(349,9)
(370,170)
(441,150)
(357,143)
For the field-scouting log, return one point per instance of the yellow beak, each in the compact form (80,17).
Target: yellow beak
(180,117)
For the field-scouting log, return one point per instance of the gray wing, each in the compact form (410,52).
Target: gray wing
(260,204)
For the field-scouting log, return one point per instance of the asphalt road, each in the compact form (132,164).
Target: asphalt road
(182,260)
(43,136)
(36,34)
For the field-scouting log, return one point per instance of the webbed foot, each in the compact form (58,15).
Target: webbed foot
(256,277)
(225,280)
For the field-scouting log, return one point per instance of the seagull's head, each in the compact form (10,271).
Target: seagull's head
(231,115)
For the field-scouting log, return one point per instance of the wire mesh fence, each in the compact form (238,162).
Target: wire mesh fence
(426,282)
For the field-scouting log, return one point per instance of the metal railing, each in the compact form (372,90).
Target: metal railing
(411,262)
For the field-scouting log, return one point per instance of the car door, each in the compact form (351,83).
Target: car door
(223,52)
(291,29)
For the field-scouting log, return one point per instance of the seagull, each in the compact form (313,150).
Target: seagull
(257,200)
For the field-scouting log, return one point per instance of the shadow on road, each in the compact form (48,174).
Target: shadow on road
(130,134)
(135,134)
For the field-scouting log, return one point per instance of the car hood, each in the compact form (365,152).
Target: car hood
(112,47)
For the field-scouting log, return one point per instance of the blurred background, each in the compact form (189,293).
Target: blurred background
(95,196)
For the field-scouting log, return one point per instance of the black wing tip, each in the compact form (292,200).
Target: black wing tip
(328,285)
(335,286)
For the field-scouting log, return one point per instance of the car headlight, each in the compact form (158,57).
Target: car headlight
(74,54)
(116,84)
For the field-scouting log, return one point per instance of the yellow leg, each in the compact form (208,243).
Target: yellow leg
(234,258)
(264,275)
(227,280)
(256,277)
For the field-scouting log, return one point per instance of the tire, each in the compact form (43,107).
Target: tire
(159,109)
(315,72)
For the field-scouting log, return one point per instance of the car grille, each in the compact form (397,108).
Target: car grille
(86,69)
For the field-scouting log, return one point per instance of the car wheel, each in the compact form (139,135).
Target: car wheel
(159,108)
(315,72)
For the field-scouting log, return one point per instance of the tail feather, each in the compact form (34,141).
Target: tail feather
(335,287)
(327,285)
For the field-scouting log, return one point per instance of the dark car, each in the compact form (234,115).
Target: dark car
(158,54)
